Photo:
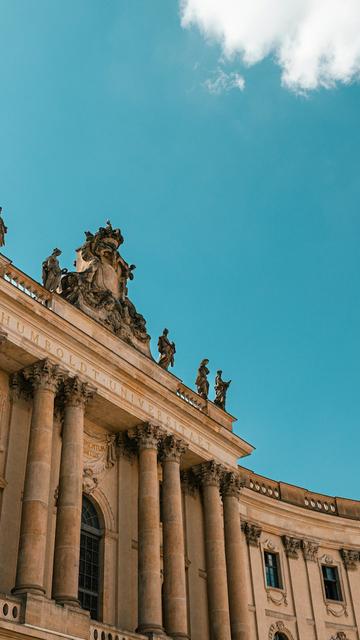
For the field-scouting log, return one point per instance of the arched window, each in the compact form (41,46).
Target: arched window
(280,636)
(89,574)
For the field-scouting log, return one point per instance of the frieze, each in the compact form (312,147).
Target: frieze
(130,399)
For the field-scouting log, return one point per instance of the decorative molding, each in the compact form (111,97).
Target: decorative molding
(310,549)
(231,485)
(340,635)
(279,627)
(341,611)
(76,392)
(252,533)
(281,599)
(210,473)
(172,448)
(147,435)
(326,559)
(350,558)
(99,456)
(189,482)
(291,546)
(44,374)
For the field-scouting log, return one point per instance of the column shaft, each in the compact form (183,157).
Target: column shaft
(175,605)
(44,377)
(68,520)
(235,560)
(211,474)
(149,578)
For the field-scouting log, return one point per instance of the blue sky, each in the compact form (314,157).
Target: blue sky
(239,208)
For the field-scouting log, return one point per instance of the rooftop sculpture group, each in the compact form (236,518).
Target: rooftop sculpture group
(99,288)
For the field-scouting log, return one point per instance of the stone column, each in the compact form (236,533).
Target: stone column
(44,377)
(68,519)
(235,559)
(149,578)
(175,609)
(211,475)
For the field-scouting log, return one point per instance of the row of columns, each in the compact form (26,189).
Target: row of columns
(228,609)
(225,562)
(44,379)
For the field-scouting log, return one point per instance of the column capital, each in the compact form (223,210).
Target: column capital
(19,386)
(147,435)
(44,374)
(252,533)
(310,549)
(210,473)
(350,558)
(172,448)
(76,392)
(291,546)
(231,484)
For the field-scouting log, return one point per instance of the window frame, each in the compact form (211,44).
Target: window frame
(337,567)
(100,533)
(269,546)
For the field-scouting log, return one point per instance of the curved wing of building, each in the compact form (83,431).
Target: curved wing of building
(123,511)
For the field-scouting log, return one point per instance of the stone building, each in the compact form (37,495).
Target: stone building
(123,511)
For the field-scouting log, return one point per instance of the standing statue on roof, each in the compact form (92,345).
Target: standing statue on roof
(221,388)
(167,350)
(52,272)
(3,230)
(201,381)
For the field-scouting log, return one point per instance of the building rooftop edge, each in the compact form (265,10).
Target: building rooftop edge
(305,498)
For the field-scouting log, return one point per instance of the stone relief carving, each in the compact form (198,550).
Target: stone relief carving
(99,456)
(337,610)
(3,229)
(340,635)
(279,627)
(310,550)
(291,546)
(99,287)
(221,388)
(252,533)
(202,383)
(277,598)
(167,350)
(350,558)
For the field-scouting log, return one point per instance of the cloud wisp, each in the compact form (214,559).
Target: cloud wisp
(316,43)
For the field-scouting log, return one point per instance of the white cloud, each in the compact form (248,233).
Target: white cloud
(222,81)
(315,42)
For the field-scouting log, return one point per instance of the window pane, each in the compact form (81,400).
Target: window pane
(272,570)
(331,583)
(89,559)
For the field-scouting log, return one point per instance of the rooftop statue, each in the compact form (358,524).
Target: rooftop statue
(99,286)
(3,230)
(221,388)
(167,350)
(201,381)
(51,271)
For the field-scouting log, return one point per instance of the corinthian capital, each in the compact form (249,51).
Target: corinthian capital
(76,392)
(172,448)
(350,558)
(147,435)
(292,546)
(310,549)
(210,473)
(44,374)
(231,484)
(252,533)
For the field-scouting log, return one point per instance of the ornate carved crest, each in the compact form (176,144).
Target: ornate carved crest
(99,456)
(99,287)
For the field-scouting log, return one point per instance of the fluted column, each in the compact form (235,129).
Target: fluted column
(210,476)
(149,578)
(175,609)
(235,559)
(44,376)
(68,520)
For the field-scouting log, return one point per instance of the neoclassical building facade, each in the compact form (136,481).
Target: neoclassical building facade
(124,512)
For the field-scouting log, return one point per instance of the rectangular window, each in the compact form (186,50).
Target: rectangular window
(331,583)
(272,570)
